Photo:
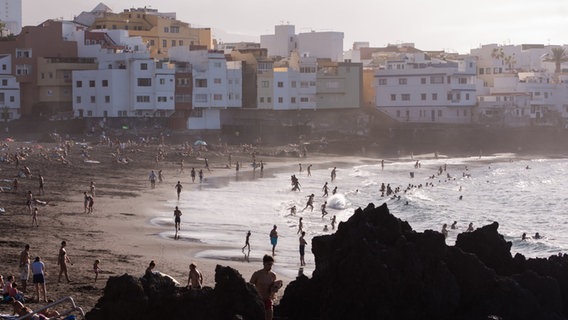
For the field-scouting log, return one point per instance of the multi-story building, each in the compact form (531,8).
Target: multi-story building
(284,41)
(159,31)
(11,16)
(217,85)
(9,90)
(42,57)
(415,89)
(339,85)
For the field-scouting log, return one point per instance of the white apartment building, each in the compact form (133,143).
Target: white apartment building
(414,89)
(319,44)
(217,85)
(290,86)
(9,90)
(11,15)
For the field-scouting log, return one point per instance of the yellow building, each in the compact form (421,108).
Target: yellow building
(160,31)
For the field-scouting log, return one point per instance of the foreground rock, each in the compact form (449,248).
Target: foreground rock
(157,297)
(376,267)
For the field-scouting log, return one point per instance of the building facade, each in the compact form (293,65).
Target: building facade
(11,16)
(9,90)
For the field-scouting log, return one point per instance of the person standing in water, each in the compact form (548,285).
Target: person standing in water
(178,188)
(303,244)
(247,243)
(177,221)
(273,238)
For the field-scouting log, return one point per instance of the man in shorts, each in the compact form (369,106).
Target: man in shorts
(38,271)
(266,284)
(177,220)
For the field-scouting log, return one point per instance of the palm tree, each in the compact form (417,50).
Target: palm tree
(559,55)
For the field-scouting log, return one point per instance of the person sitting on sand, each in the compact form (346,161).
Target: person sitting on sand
(150,269)
(195,279)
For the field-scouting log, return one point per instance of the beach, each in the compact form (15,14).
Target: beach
(118,232)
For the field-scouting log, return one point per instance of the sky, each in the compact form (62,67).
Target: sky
(454,26)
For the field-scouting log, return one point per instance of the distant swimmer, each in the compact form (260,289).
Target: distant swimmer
(470,227)
(333,173)
(524,236)
(325,229)
(527,167)
(309,170)
(334,191)
(461,197)
(453,226)
(293,210)
(537,236)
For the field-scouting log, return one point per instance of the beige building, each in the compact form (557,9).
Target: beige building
(160,31)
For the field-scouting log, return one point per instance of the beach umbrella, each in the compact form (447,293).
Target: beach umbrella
(200,143)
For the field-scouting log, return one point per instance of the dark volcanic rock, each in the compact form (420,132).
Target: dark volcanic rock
(156,297)
(376,267)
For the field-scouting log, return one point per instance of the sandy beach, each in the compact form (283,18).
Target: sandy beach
(118,233)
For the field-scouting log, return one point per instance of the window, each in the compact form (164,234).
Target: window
(217,97)
(78,99)
(105,83)
(79,84)
(312,83)
(166,29)
(152,43)
(269,99)
(467,96)
(201,83)
(402,81)
(217,81)
(143,99)
(162,81)
(173,43)
(304,84)
(280,84)
(437,79)
(4,82)
(462,80)
(144,82)
(439,113)
(261,100)
(180,43)
(92,83)
(93,99)
(393,97)
(174,29)
(162,99)
(434,96)
(422,80)
(265,84)
(143,66)
(107,99)
(422,96)
(217,64)
(481,70)
(293,100)
(89,113)
(12,99)
(398,113)
(201,97)
(304,99)
(405,97)
(449,97)
(382,82)
(4,67)
(165,43)
(280,100)
(293,84)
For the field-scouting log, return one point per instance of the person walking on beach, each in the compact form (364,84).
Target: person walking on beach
(264,280)
(200,176)
(300,226)
(85,200)
(300,167)
(310,203)
(333,173)
(41,191)
(192,174)
(152,178)
(96,269)
(309,170)
(29,201)
(195,279)
(25,267)
(178,188)
(160,176)
(177,221)
(303,244)
(38,272)
(325,190)
(91,204)
(207,165)
(181,166)
(237,166)
(273,238)
(247,243)
(34,217)
(62,261)
(92,188)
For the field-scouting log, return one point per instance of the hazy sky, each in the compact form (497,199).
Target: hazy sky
(432,25)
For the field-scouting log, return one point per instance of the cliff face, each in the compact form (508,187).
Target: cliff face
(376,267)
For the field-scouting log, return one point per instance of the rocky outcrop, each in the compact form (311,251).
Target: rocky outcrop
(376,267)
(156,297)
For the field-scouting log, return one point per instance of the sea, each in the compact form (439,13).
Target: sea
(524,195)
